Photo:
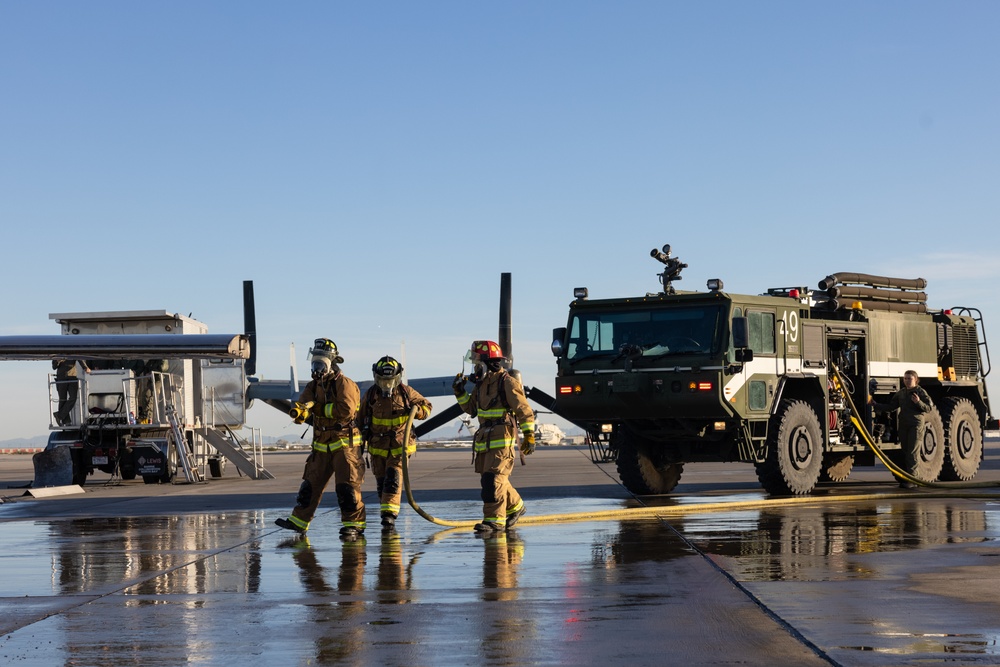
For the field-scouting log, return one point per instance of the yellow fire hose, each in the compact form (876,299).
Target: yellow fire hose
(696,508)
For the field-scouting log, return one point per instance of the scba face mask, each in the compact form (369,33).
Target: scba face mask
(387,384)
(320,367)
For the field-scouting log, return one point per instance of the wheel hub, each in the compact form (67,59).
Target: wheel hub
(801,448)
(927,445)
(966,440)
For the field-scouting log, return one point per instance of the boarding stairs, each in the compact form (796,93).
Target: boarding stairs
(191,473)
(239,451)
(247,456)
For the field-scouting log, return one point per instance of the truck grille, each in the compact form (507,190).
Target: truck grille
(966,352)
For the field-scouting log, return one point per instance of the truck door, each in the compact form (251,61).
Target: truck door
(762,372)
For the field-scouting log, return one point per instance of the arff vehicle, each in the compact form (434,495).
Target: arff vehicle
(674,377)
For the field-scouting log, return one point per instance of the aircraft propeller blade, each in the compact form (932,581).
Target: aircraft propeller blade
(445,416)
(293,386)
(505,319)
(250,326)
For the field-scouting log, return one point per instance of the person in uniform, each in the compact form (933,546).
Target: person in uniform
(148,387)
(913,404)
(498,401)
(330,403)
(385,409)
(67,388)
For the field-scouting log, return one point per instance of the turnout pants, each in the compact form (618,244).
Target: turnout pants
(388,471)
(500,499)
(347,468)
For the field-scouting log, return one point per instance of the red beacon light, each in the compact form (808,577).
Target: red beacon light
(793,293)
(948,311)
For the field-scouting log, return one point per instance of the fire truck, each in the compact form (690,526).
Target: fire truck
(672,377)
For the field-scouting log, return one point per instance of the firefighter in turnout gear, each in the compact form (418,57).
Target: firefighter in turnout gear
(330,404)
(385,409)
(498,401)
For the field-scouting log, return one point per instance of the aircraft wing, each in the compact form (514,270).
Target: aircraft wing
(283,389)
(280,394)
(125,346)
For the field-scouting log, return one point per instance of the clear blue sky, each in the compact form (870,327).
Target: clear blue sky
(374,167)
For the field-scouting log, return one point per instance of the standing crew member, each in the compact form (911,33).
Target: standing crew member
(385,409)
(67,387)
(913,404)
(330,403)
(498,401)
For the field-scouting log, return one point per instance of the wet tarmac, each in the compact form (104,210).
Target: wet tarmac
(198,574)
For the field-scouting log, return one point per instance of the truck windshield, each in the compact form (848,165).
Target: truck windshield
(679,329)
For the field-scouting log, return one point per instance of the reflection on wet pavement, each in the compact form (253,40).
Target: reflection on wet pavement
(915,579)
(780,544)
(866,584)
(172,589)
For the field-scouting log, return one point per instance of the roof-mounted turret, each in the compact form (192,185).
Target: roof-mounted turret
(673,269)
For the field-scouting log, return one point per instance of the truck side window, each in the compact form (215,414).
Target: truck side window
(761,332)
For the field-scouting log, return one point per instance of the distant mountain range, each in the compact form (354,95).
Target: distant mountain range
(25,443)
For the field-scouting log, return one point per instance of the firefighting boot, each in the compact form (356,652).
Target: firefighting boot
(388,522)
(288,525)
(487,528)
(514,516)
(350,533)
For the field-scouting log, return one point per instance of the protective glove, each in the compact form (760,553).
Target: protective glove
(458,385)
(423,412)
(528,443)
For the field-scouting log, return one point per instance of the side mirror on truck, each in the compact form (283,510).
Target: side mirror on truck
(558,336)
(741,340)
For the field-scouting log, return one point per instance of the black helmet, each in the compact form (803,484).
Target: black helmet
(325,348)
(388,374)
(322,357)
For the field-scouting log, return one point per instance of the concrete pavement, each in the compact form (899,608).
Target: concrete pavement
(198,574)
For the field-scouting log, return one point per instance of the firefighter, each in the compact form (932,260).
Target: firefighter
(498,401)
(913,404)
(385,409)
(330,403)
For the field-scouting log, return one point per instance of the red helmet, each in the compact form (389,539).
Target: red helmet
(486,350)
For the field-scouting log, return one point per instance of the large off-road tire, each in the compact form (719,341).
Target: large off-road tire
(639,473)
(926,461)
(794,451)
(963,437)
(836,467)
